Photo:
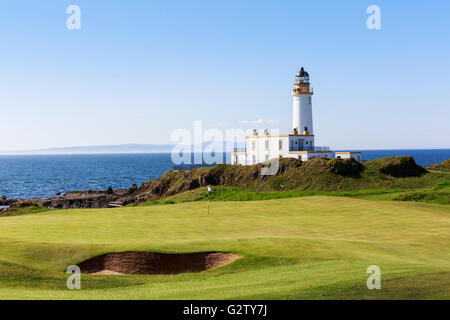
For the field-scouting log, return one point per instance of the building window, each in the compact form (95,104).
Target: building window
(292,145)
(267,144)
(280,145)
(253,145)
(267,157)
(254,159)
(236,159)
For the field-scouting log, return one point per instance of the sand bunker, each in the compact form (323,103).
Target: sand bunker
(155,263)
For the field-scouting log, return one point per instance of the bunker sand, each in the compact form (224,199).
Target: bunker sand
(141,262)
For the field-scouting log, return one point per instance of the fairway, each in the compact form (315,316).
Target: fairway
(316,247)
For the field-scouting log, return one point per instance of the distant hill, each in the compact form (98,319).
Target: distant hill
(121,148)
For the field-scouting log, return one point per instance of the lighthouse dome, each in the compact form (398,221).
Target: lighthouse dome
(302,73)
(302,76)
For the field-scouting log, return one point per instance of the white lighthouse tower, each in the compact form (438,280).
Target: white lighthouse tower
(302,107)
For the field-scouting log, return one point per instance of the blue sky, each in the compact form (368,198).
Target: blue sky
(137,70)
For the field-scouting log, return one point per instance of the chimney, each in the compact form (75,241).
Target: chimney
(306,132)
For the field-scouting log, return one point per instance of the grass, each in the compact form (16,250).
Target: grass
(315,247)
(223,193)
(18,211)
(394,178)
(438,194)
(442,167)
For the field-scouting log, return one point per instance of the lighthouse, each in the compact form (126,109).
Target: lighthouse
(298,144)
(302,104)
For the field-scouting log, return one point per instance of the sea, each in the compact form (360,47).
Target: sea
(40,176)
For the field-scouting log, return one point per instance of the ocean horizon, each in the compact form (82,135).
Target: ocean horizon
(40,176)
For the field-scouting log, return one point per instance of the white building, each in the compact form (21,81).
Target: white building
(299,144)
(348,155)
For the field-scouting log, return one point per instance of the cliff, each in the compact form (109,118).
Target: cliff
(314,175)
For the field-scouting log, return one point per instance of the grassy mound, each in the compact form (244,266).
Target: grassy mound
(332,177)
(444,166)
(22,209)
(399,166)
(314,175)
(342,167)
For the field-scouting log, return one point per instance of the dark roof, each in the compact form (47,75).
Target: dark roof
(302,73)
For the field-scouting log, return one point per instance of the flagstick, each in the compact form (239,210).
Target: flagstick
(209,191)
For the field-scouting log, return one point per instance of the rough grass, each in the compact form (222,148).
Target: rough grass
(300,248)
(220,193)
(295,178)
(17,211)
(393,178)
(444,166)
(439,194)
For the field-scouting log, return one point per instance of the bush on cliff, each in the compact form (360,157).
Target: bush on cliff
(399,166)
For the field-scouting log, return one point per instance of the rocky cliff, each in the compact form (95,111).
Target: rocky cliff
(317,174)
